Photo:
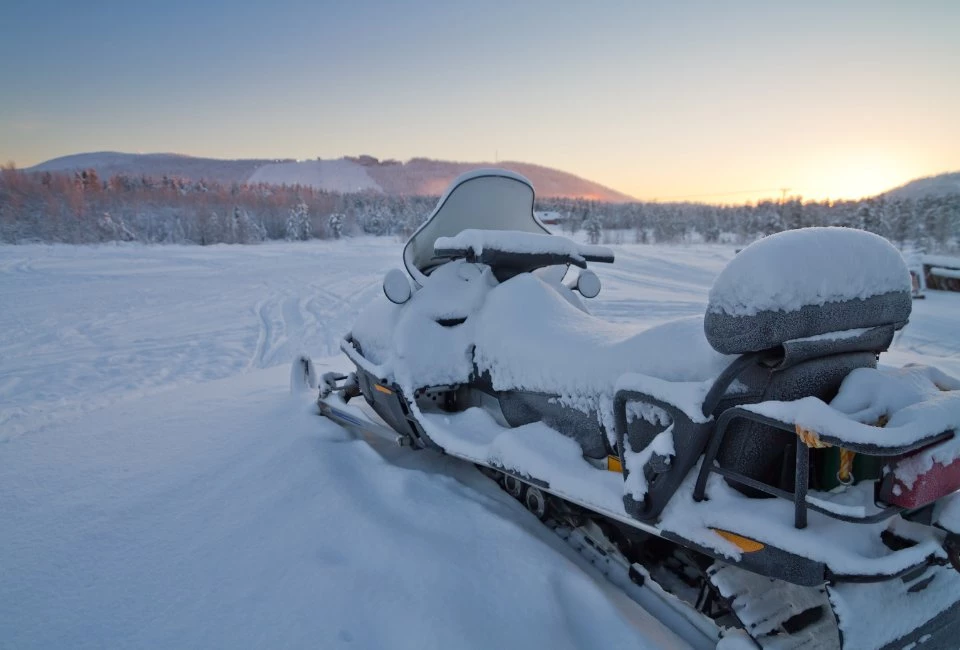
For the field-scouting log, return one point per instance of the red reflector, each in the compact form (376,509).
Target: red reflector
(939,481)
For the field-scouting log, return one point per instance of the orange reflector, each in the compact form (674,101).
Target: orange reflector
(745,544)
(614,464)
(383,389)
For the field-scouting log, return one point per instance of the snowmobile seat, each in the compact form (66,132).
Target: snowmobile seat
(791,340)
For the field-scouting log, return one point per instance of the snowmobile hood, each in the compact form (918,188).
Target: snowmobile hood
(483,199)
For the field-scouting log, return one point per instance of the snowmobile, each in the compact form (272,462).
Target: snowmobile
(754,467)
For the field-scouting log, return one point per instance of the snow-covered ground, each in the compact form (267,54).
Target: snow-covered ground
(340,175)
(159,487)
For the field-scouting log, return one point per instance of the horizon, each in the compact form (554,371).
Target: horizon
(721,200)
(689,102)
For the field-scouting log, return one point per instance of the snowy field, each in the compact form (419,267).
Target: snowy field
(159,487)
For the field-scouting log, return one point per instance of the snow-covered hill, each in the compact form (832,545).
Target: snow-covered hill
(419,176)
(940,185)
(156,165)
(160,488)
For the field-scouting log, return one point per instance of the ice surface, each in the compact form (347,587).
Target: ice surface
(814,266)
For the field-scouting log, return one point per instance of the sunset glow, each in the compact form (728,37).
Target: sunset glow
(691,101)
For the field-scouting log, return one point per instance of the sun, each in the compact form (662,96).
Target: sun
(857,178)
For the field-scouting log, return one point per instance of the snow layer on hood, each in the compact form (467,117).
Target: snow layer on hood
(411,344)
(529,337)
(811,266)
(510,241)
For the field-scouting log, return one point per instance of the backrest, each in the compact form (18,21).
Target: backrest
(766,453)
(807,306)
(812,282)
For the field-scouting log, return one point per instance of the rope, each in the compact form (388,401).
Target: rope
(812,440)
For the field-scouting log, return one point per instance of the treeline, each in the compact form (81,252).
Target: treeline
(930,223)
(84,208)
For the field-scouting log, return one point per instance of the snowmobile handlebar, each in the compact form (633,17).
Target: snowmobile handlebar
(506,264)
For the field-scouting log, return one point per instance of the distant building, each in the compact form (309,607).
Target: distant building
(941,272)
(550,218)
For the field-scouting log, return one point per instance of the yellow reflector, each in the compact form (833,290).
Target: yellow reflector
(745,544)
(383,389)
(614,464)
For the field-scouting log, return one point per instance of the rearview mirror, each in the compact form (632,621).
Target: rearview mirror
(396,287)
(588,284)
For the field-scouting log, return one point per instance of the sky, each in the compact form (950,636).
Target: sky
(718,101)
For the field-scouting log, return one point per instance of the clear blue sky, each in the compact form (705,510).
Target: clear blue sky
(653,99)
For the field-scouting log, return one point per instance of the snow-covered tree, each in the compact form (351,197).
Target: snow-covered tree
(113,229)
(298,223)
(594,229)
(336,225)
(247,230)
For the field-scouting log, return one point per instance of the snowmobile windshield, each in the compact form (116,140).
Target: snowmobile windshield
(486,199)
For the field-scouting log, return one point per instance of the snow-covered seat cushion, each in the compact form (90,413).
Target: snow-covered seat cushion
(804,283)
(565,351)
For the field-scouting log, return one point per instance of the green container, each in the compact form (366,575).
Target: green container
(865,468)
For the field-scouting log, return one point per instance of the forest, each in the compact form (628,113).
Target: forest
(82,208)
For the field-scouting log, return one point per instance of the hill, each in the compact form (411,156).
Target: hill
(418,176)
(930,186)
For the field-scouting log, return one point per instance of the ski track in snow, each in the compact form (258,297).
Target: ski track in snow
(158,488)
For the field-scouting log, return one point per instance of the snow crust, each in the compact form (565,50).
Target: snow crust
(510,241)
(812,266)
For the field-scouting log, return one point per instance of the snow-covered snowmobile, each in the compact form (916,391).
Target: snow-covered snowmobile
(754,467)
